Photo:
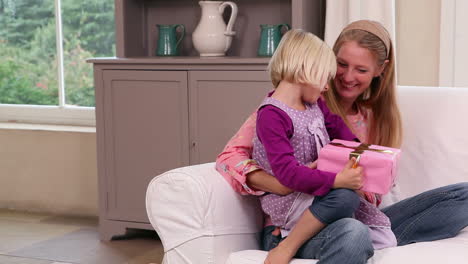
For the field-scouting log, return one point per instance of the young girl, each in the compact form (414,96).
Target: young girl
(290,130)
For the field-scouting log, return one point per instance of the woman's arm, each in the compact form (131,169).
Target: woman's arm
(261,180)
(236,165)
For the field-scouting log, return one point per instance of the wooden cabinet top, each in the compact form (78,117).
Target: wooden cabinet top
(182,63)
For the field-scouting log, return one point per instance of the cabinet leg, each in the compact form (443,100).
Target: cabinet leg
(110,229)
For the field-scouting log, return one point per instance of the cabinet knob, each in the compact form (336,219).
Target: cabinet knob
(194,144)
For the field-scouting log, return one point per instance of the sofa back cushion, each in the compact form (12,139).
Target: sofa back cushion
(435,139)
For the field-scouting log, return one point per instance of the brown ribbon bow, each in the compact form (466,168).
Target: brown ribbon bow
(358,150)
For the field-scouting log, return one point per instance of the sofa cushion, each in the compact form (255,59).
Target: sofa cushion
(257,257)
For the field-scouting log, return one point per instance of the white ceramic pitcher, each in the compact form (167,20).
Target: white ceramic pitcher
(211,36)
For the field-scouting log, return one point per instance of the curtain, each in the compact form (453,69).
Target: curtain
(340,13)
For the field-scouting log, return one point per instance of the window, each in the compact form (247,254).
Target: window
(44,45)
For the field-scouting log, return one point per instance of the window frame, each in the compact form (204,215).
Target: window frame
(61,114)
(48,114)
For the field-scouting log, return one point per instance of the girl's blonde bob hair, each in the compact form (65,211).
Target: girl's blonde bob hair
(302,57)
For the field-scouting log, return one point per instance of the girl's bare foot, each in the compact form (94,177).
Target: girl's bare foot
(279,255)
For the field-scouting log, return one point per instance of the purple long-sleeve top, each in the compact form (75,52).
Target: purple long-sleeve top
(275,129)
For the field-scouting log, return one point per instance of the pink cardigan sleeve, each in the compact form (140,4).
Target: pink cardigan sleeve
(235,162)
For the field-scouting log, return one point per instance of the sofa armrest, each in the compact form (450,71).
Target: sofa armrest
(195,202)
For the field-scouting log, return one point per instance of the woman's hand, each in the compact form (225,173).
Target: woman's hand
(312,165)
(361,193)
(349,177)
(263,181)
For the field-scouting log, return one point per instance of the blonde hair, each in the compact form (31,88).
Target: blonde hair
(302,57)
(380,98)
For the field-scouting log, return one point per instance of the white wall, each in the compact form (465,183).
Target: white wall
(417,34)
(48,171)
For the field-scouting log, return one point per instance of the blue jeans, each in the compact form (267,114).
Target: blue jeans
(432,215)
(336,204)
(343,240)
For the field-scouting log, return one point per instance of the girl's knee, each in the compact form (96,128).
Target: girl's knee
(349,199)
(337,204)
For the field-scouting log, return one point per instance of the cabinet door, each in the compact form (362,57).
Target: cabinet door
(220,101)
(145,134)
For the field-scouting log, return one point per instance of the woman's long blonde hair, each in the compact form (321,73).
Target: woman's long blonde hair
(385,126)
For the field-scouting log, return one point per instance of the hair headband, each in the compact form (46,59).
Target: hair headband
(372,27)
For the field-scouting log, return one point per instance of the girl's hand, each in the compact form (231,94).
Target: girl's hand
(349,177)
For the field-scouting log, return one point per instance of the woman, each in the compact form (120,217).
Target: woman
(363,94)
(369,106)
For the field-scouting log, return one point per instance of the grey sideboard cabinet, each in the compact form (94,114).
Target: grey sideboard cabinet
(155,113)
(153,116)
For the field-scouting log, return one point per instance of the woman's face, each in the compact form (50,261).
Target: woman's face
(356,67)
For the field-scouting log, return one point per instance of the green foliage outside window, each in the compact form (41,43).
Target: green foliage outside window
(28,57)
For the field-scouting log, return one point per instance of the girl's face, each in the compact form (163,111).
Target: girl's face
(356,67)
(311,93)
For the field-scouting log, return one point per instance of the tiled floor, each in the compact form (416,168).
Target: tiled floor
(27,238)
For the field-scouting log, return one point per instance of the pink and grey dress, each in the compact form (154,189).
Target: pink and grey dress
(306,136)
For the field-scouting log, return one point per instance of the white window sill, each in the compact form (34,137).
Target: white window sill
(42,127)
(54,115)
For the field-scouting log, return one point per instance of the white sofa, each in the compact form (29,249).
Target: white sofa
(200,219)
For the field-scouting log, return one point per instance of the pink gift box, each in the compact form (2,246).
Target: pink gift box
(379,163)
